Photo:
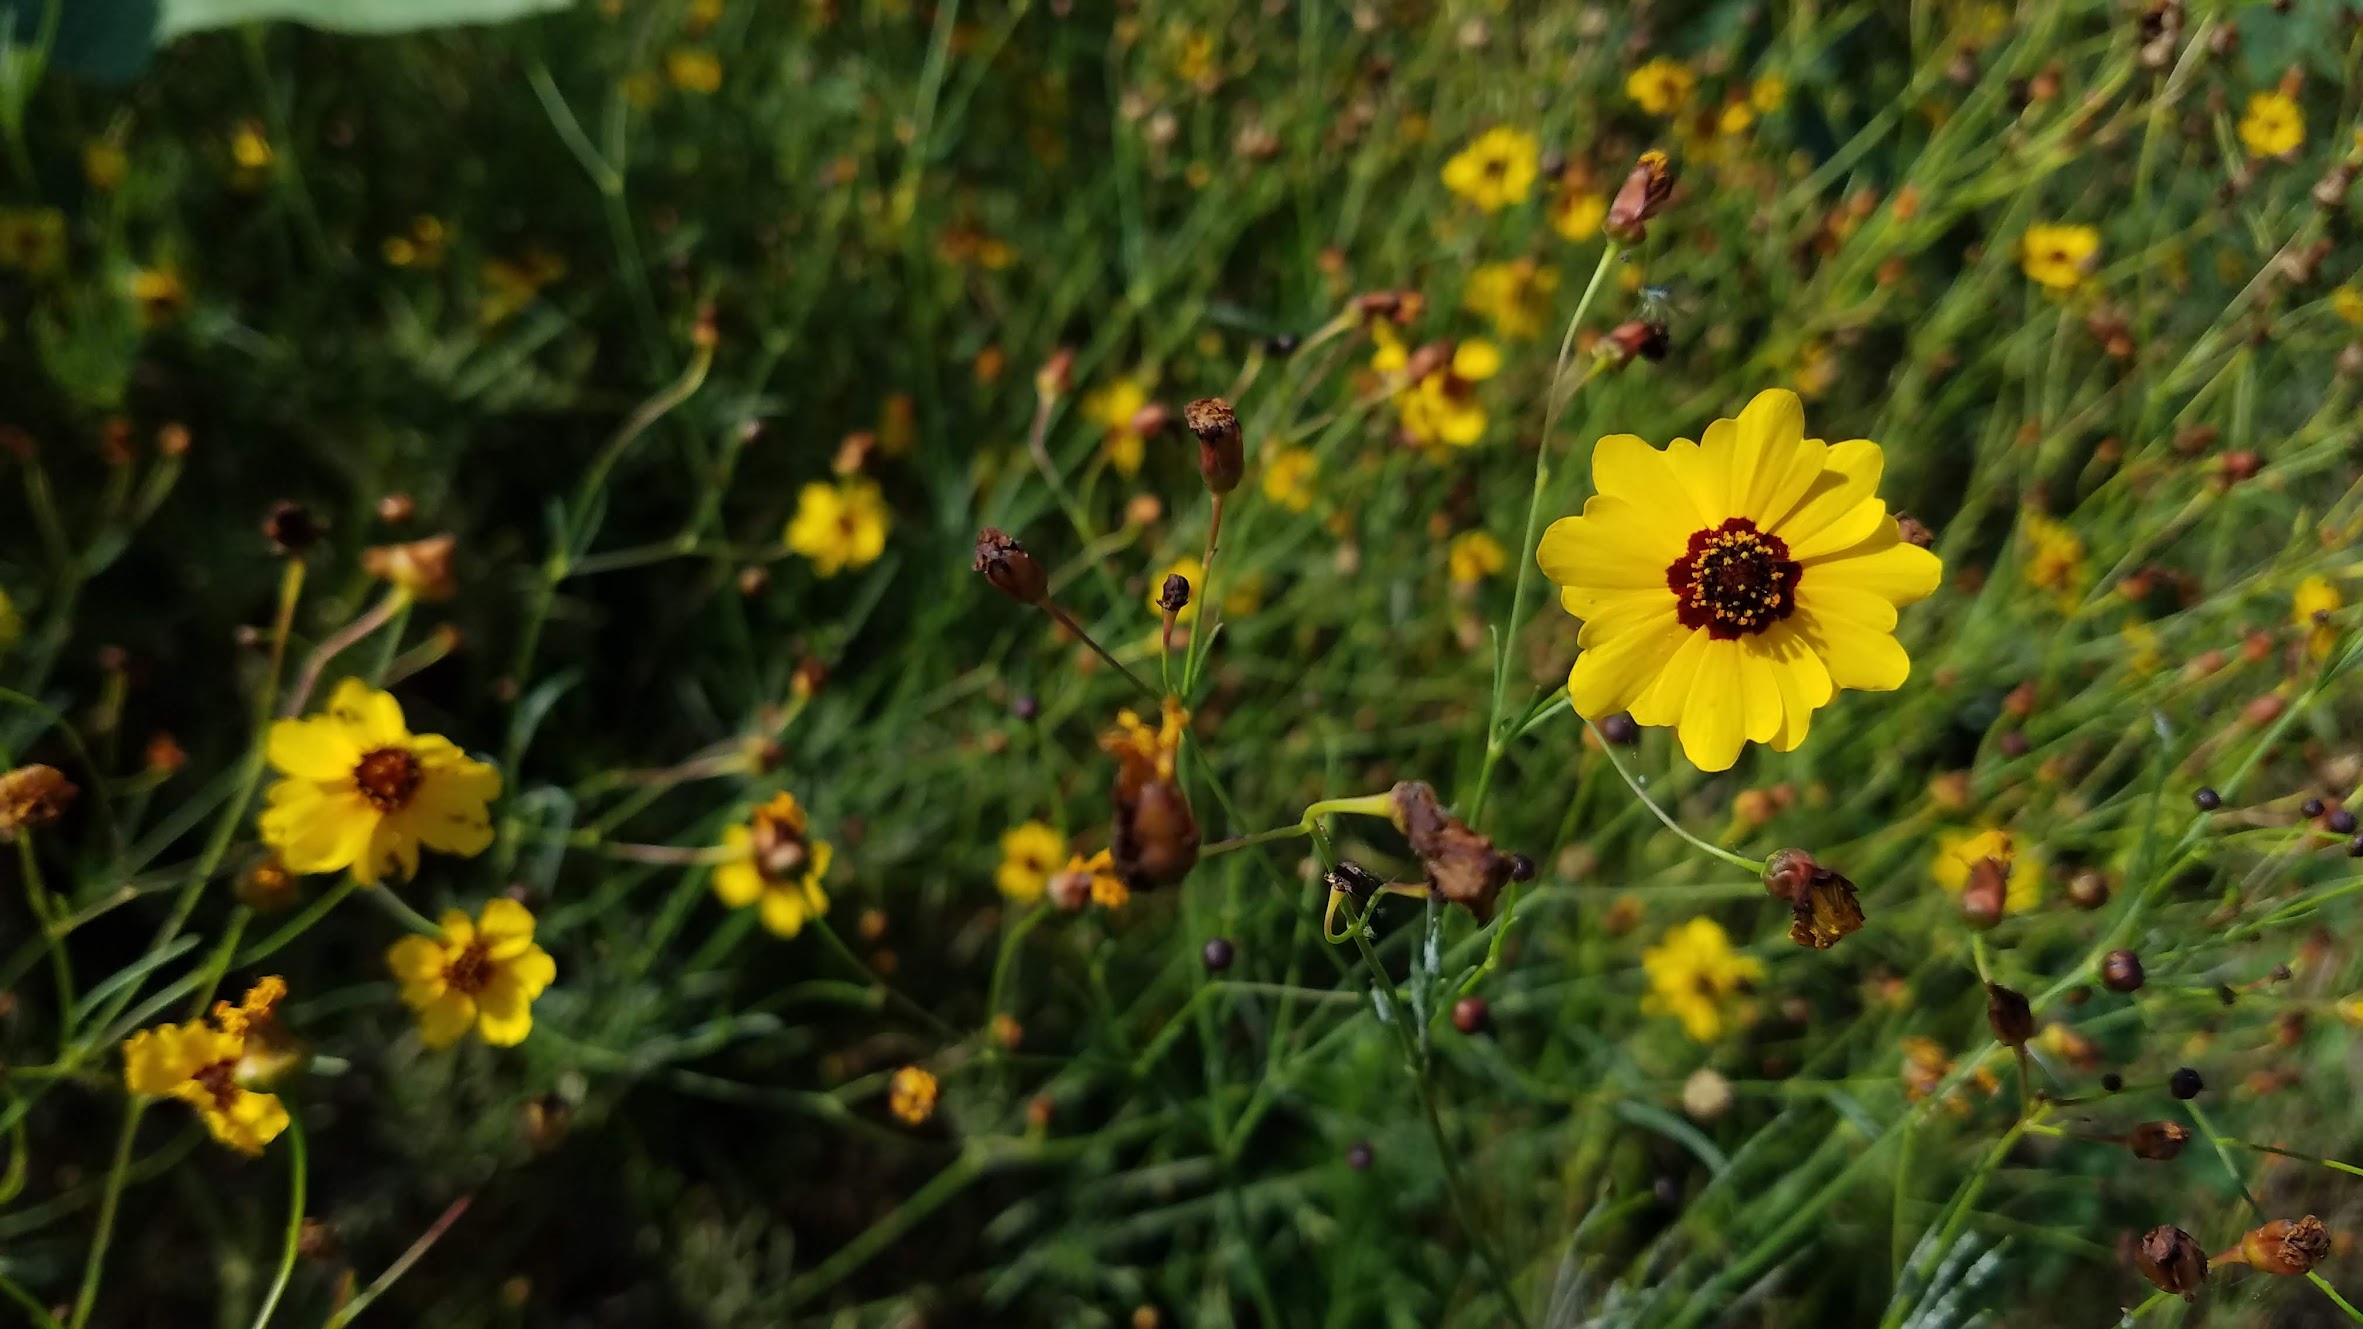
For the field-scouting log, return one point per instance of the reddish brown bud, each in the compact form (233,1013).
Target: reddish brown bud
(1174,595)
(1642,196)
(1987,893)
(1222,456)
(2285,1247)
(1913,532)
(2009,1015)
(1012,571)
(2157,1141)
(2120,971)
(2171,1260)
(1471,1015)
(1462,866)
(1057,374)
(290,528)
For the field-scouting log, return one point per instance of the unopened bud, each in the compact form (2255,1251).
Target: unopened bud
(1012,571)
(1057,374)
(1642,196)
(290,528)
(1987,893)
(2157,1141)
(2171,1260)
(1174,595)
(2009,1015)
(2120,971)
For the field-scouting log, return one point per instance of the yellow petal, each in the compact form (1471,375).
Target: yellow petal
(506,927)
(783,913)
(1860,608)
(1702,471)
(1662,702)
(1882,565)
(1804,683)
(375,717)
(504,1015)
(458,929)
(392,852)
(318,833)
(1773,463)
(1711,730)
(533,971)
(416,959)
(1608,614)
(1614,545)
(1760,703)
(312,749)
(737,883)
(1857,656)
(1840,507)
(446,1020)
(1610,677)
(1625,467)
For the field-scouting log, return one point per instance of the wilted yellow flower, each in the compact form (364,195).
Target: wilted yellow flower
(2057,257)
(774,860)
(1441,408)
(911,1095)
(1474,556)
(1730,588)
(1576,214)
(482,975)
(1515,297)
(2054,557)
(2142,654)
(200,1062)
(360,791)
(840,527)
(1696,977)
(694,69)
(1496,170)
(1029,852)
(1115,407)
(2273,125)
(1288,478)
(1662,86)
(1960,851)
(2316,596)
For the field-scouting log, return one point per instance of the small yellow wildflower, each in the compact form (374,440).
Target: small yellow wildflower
(1115,408)
(1576,214)
(694,69)
(1515,297)
(1959,851)
(2142,653)
(511,285)
(1108,890)
(480,975)
(1442,407)
(104,164)
(773,859)
(1662,86)
(840,527)
(1696,977)
(2058,257)
(1768,94)
(159,294)
(2347,303)
(1029,852)
(911,1095)
(2316,596)
(1735,118)
(203,1063)
(360,791)
(1288,478)
(1496,170)
(250,151)
(2054,557)
(1474,556)
(1193,59)
(2273,125)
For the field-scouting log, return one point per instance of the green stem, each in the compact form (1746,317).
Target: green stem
(109,1205)
(295,1221)
(1608,750)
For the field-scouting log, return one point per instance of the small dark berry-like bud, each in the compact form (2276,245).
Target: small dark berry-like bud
(1026,707)
(1174,595)
(1222,455)
(1471,1015)
(2157,1141)
(2310,809)
(1005,563)
(1635,339)
(1620,729)
(2120,971)
(290,528)
(2088,888)
(1358,1156)
(2208,800)
(1642,196)
(2341,822)
(2111,1082)
(2185,1083)
(2011,1018)
(1281,343)
(1521,868)
(1218,954)
(2171,1260)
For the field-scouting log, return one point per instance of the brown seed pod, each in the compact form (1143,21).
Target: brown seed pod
(2007,1012)
(1462,866)
(1006,564)
(1222,456)
(2157,1141)
(2172,1260)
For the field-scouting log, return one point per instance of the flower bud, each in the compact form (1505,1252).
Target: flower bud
(2285,1247)
(290,528)
(1635,339)
(1822,902)
(1222,456)
(2171,1260)
(1642,196)
(1056,377)
(2120,971)
(2157,1141)
(2007,1012)
(421,567)
(1987,893)
(1005,563)
(1471,1015)
(1174,595)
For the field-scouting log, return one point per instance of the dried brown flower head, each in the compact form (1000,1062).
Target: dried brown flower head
(2009,1014)
(1462,866)
(2170,1259)
(1822,902)
(1988,890)
(33,796)
(1222,455)
(2157,1141)
(1155,837)
(1642,196)
(421,567)
(1005,563)
(2284,1246)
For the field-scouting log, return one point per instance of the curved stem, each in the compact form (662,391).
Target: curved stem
(295,1221)
(1608,750)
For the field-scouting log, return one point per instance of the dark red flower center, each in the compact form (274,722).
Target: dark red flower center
(388,777)
(470,971)
(1734,580)
(220,1081)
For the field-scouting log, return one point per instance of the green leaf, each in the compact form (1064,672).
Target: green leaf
(376,16)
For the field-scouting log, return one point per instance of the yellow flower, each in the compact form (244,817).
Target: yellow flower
(509,286)
(359,790)
(2316,596)
(1576,214)
(1193,59)
(1958,851)
(32,239)
(911,1095)
(1474,556)
(840,527)
(1662,86)
(1514,297)
(1496,170)
(2059,257)
(1768,94)
(482,975)
(1731,587)
(201,1063)
(2273,125)
(249,149)
(1028,854)
(1442,407)
(774,860)
(2054,558)
(694,69)
(1288,478)
(159,294)
(104,164)
(2347,303)
(1113,408)
(2142,653)
(1108,890)
(1696,977)
(1734,118)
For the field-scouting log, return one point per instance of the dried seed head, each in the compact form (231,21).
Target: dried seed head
(2088,888)
(1005,563)
(2120,971)
(1154,838)
(1461,865)
(1174,595)
(1642,196)
(2285,1247)
(2172,1261)
(1822,902)
(2009,1015)
(2157,1141)
(1634,339)
(1706,1095)
(1222,455)
(33,796)
(421,567)
(1352,880)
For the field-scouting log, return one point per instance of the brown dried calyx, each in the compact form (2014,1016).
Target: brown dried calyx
(1222,454)
(1154,839)
(1462,866)
(2172,1260)
(1012,571)
(2157,1141)
(33,796)
(1821,901)
(2288,1247)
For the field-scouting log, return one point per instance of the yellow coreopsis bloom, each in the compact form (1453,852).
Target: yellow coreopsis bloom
(1474,556)
(1514,297)
(2059,258)
(911,1095)
(159,294)
(1442,407)
(2054,557)
(694,69)
(840,527)
(1696,977)
(360,791)
(1029,853)
(1960,851)
(1661,86)
(1768,94)
(203,1063)
(1576,214)
(1114,407)
(774,860)
(480,975)
(1496,170)
(1288,478)
(1730,587)
(2316,596)
(2273,125)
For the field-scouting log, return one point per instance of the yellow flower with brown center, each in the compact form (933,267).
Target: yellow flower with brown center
(1496,170)
(360,791)
(1438,409)
(1731,587)
(1115,407)
(1474,556)
(774,861)
(159,294)
(2273,126)
(1576,214)
(839,527)
(1029,853)
(911,1095)
(2053,559)
(1768,94)
(2057,257)
(1154,832)
(201,1064)
(1288,478)
(2317,598)
(1662,86)
(1958,852)
(480,975)
(1696,977)
(1514,297)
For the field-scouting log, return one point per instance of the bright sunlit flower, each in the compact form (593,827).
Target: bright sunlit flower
(2273,125)
(1960,851)
(205,1063)
(1514,297)
(1662,86)
(1288,478)
(911,1094)
(1496,170)
(1116,408)
(840,527)
(360,791)
(1576,214)
(773,860)
(1029,853)
(2053,557)
(1730,587)
(1474,556)
(480,975)
(2316,599)
(1696,977)
(2059,258)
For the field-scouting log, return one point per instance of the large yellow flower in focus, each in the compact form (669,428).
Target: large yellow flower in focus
(362,791)
(1730,587)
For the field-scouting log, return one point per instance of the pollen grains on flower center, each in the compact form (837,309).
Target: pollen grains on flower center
(470,970)
(1734,580)
(387,777)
